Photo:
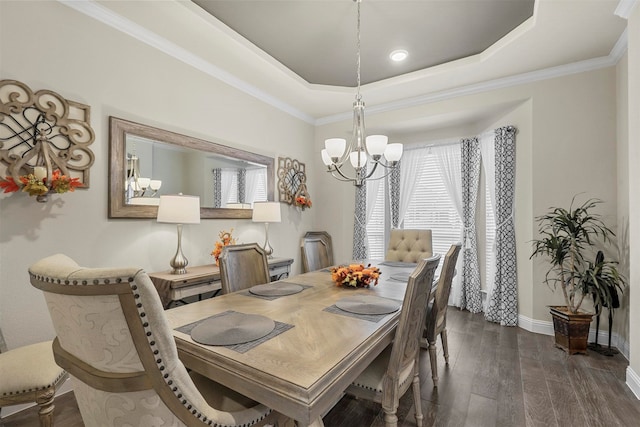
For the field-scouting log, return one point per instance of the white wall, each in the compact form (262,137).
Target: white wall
(47,45)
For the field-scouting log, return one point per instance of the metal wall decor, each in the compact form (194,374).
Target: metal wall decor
(292,182)
(43,135)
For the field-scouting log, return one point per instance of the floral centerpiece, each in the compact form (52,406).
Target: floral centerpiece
(303,202)
(35,186)
(226,239)
(355,275)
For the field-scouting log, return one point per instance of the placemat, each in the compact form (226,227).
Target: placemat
(248,293)
(370,317)
(276,289)
(398,264)
(400,277)
(234,328)
(244,347)
(368,304)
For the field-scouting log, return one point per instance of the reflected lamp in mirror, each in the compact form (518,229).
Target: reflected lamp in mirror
(179,209)
(266,212)
(138,189)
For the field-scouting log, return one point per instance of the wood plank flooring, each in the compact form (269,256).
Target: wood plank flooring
(498,376)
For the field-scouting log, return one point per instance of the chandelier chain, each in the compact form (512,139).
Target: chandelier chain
(358,96)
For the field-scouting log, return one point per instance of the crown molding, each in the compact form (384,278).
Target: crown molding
(116,21)
(625,7)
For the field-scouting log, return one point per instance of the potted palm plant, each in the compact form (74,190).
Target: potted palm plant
(569,240)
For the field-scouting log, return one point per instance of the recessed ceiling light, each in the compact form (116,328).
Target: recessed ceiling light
(398,55)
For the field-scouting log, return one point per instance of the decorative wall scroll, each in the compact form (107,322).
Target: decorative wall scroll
(44,141)
(292,183)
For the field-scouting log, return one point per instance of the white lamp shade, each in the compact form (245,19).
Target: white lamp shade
(335,146)
(393,152)
(266,212)
(155,184)
(179,209)
(326,159)
(376,144)
(353,158)
(144,183)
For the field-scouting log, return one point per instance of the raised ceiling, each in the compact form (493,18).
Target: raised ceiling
(317,39)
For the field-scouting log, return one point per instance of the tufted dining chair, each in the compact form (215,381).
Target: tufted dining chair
(397,368)
(114,340)
(409,245)
(317,251)
(29,374)
(436,320)
(243,266)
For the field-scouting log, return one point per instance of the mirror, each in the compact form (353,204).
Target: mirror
(146,162)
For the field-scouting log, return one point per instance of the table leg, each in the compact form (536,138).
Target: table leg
(315,423)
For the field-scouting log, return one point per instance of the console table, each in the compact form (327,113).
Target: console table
(201,279)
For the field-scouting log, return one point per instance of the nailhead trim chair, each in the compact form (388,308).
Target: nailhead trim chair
(389,376)
(29,374)
(115,342)
(409,245)
(436,319)
(317,251)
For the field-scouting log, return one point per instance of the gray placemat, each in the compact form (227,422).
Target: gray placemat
(370,317)
(400,277)
(247,293)
(276,289)
(398,264)
(233,328)
(244,347)
(368,304)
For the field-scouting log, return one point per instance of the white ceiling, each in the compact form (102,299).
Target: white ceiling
(562,37)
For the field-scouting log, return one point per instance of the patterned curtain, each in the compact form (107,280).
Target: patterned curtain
(503,301)
(360,222)
(394,195)
(217,188)
(242,184)
(470,297)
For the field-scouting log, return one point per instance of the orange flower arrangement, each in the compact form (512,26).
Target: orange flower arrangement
(35,187)
(303,202)
(355,275)
(225,240)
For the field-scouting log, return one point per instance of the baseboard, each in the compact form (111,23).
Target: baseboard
(545,327)
(14,409)
(633,381)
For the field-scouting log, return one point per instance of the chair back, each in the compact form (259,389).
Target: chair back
(436,318)
(317,251)
(243,266)
(409,245)
(114,340)
(406,344)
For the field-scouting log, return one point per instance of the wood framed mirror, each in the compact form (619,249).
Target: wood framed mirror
(146,162)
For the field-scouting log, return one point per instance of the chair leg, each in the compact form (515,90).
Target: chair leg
(434,363)
(44,399)
(417,401)
(445,345)
(390,419)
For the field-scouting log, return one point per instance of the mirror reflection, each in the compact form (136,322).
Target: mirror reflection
(146,162)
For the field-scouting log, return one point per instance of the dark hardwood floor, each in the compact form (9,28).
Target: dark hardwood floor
(498,376)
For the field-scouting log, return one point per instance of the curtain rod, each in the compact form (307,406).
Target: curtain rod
(444,142)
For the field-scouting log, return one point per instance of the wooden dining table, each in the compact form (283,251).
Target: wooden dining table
(303,371)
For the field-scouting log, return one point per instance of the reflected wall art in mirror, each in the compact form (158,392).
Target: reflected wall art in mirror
(146,162)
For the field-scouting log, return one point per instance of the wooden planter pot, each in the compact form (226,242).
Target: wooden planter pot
(571,330)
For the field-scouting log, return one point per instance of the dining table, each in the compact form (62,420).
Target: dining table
(315,350)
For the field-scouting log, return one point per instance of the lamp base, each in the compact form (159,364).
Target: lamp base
(268,249)
(179,262)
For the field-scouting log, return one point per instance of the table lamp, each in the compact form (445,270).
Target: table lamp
(266,212)
(179,209)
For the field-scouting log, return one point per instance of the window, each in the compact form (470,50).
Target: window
(376,227)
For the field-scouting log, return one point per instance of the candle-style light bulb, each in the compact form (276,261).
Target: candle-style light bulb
(40,172)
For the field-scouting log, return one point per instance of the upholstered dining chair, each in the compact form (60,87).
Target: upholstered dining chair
(114,340)
(317,251)
(397,368)
(243,266)
(409,245)
(29,374)
(436,320)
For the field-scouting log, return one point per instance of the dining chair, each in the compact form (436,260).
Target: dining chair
(436,319)
(115,341)
(408,245)
(389,376)
(243,266)
(30,375)
(317,251)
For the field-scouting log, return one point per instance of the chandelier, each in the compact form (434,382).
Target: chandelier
(362,149)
